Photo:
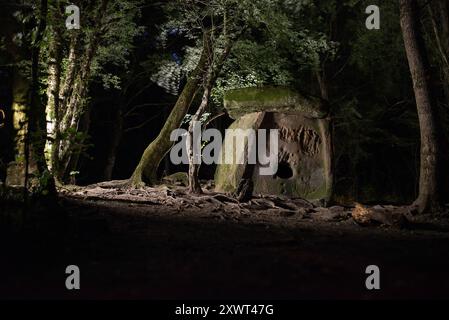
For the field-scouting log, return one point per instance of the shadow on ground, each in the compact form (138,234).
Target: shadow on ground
(143,251)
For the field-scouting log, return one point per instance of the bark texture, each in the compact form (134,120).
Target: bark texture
(194,184)
(428,197)
(53,89)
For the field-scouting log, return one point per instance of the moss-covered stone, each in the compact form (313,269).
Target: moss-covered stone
(239,102)
(178,178)
(227,176)
(302,153)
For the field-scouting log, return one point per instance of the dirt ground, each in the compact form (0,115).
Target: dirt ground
(161,244)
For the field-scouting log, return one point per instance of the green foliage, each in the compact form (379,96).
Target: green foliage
(376,54)
(275,42)
(77,140)
(275,45)
(43,186)
(169,74)
(117,41)
(203,119)
(252,64)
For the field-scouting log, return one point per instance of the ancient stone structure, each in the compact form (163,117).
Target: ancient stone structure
(305,152)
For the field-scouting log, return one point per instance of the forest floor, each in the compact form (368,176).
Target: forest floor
(161,243)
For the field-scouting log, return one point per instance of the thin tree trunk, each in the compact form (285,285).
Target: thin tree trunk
(117,133)
(323,83)
(53,89)
(440,27)
(72,68)
(212,75)
(73,165)
(194,184)
(326,130)
(428,198)
(439,17)
(65,91)
(20,95)
(36,135)
(36,132)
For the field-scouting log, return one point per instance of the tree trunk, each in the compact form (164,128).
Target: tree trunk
(155,152)
(20,94)
(214,68)
(326,129)
(36,135)
(66,81)
(53,89)
(115,143)
(428,198)
(73,93)
(72,68)
(74,159)
(439,18)
(194,184)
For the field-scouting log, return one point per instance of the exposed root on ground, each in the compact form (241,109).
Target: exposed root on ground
(177,198)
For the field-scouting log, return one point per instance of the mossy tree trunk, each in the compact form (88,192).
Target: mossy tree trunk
(53,89)
(20,94)
(145,171)
(74,107)
(36,134)
(68,86)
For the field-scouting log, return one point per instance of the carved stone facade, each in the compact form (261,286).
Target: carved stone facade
(305,168)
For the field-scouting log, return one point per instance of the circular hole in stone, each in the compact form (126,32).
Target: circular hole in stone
(284,171)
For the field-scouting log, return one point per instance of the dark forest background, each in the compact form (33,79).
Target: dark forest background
(376,130)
